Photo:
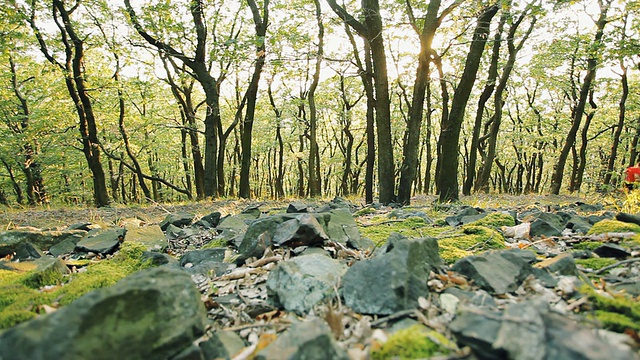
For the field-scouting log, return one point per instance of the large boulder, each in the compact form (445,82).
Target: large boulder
(394,279)
(43,240)
(310,340)
(531,331)
(302,282)
(152,314)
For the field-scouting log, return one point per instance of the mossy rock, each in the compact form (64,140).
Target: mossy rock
(19,298)
(216,243)
(615,226)
(495,219)
(595,263)
(415,342)
(616,313)
(365,211)
(472,239)
(412,227)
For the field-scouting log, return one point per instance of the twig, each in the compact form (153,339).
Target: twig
(399,314)
(265,261)
(251,326)
(622,262)
(383,222)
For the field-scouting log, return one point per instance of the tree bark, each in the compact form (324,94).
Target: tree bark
(450,131)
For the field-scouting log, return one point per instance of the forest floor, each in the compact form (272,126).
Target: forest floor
(59,217)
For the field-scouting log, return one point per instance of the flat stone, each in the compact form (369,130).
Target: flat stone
(43,240)
(562,264)
(178,219)
(150,236)
(609,250)
(64,247)
(101,241)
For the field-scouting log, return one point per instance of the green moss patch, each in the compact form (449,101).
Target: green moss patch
(595,263)
(495,220)
(413,227)
(471,239)
(587,245)
(216,243)
(415,342)
(616,313)
(608,226)
(20,295)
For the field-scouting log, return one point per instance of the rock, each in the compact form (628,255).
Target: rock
(152,314)
(530,330)
(469,214)
(64,247)
(302,282)
(210,221)
(337,203)
(562,264)
(101,241)
(303,230)
(310,340)
(43,240)
(628,218)
(178,219)
(219,344)
(205,261)
(27,251)
(520,231)
(610,250)
(541,227)
(392,280)
(340,226)
(297,207)
(233,227)
(259,235)
(578,224)
(158,259)
(477,298)
(498,272)
(150,236)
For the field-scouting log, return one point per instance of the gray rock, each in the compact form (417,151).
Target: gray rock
(150,236)
(541,227)
(393,280)
(216,345)
(309,340)
(205,261)
(258,236)
(531,331)
(210,221)
(302,282)
(101,241)
(562,264)
(43,240)
(468,212)
(578,224)
(303,230)
(610,250)
(158,259)
(340,226)
(297,207)
(233,227)
(178,219)
(498,272)
(64,247)
(477,298)
(152,314)
(27,251)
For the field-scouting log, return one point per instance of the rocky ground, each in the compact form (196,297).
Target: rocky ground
(520,278)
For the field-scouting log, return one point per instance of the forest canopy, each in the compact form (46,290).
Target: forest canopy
(109,101)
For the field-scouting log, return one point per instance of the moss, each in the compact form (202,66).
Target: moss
(471,239)
(608,225)
(365,211)
(413,227)
(11,318)
(595,263)
(616,322)
(216,243)
(587,245)
(616,313)
(495,220)
(415,342)
(106,273)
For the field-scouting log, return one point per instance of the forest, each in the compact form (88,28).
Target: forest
(109,101)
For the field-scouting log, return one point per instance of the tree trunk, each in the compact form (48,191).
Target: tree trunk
(618,132)
(450,132)
(314,166)
(592,62)
(261,23)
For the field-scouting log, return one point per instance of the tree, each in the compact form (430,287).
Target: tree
(592,63)
(371,31)
(450,131)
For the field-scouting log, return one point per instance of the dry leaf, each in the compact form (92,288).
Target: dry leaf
(334,319)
